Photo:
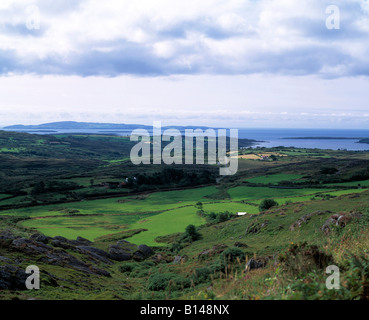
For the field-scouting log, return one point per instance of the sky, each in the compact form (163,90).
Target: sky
(229,63)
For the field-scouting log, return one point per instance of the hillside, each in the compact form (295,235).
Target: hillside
(70,205)
(267,254)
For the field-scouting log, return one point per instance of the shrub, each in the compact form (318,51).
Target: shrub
(127,267)
(191,234)
(201,275)
(302,258)
(232,254)
(223,216)
(158,282)
(267,204)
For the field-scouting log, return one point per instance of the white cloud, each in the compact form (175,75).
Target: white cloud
(167,36)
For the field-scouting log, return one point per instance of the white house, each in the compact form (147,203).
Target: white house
(241,213)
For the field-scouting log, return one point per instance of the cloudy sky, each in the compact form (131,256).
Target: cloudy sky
(230,63)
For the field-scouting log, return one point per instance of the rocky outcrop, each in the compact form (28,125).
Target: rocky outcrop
(255,264)
(12,278)
(215,250)
(123,251)
(306,218)
(256,227)
(53,251)
(340,220)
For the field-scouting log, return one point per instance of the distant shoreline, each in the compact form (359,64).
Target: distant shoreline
(322,138)
(360,140)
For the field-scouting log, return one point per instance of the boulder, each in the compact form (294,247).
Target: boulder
(39,238)
(95,253)
(138,256)
(339,220)
(118,254)
(255,264)
(146,250)
(12,278)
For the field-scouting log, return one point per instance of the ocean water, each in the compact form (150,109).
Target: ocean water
(279,137)
(271,137)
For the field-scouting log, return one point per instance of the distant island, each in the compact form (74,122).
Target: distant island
(108,128)
(364,140)
(75,125)
(361,140)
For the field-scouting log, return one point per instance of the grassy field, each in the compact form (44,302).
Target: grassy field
(161,213)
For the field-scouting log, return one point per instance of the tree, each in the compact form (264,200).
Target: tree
(267,204)
(191,233)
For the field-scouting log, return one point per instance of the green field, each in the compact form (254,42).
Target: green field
(161,213)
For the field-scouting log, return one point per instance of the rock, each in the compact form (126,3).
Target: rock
(39,238)
(255,264)
(57,256)
(4,259)
(138,256)
(29,247)
(61,258)
(146,250)
(7,235)
(61,239)
(12,278)
(122,250)
(256,227)
(60,244)
(306,218)
(216,249)
(80,239)
(339,220)
(118,254)
(177,259)
(240,245)
(162,257)
(95,253)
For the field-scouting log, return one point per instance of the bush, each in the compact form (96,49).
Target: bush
(158,282)
(191,234)
(302,258)
(232,254)
(223,216)
(267,204)
(127,267)
(201,275)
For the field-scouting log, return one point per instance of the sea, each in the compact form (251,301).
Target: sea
(334,139)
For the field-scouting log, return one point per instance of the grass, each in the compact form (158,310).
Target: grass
(364,183)
(169,222)
(275,178)
(257,193)
(161,213)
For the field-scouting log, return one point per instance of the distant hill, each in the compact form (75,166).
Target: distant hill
(90,126)
(75,125)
